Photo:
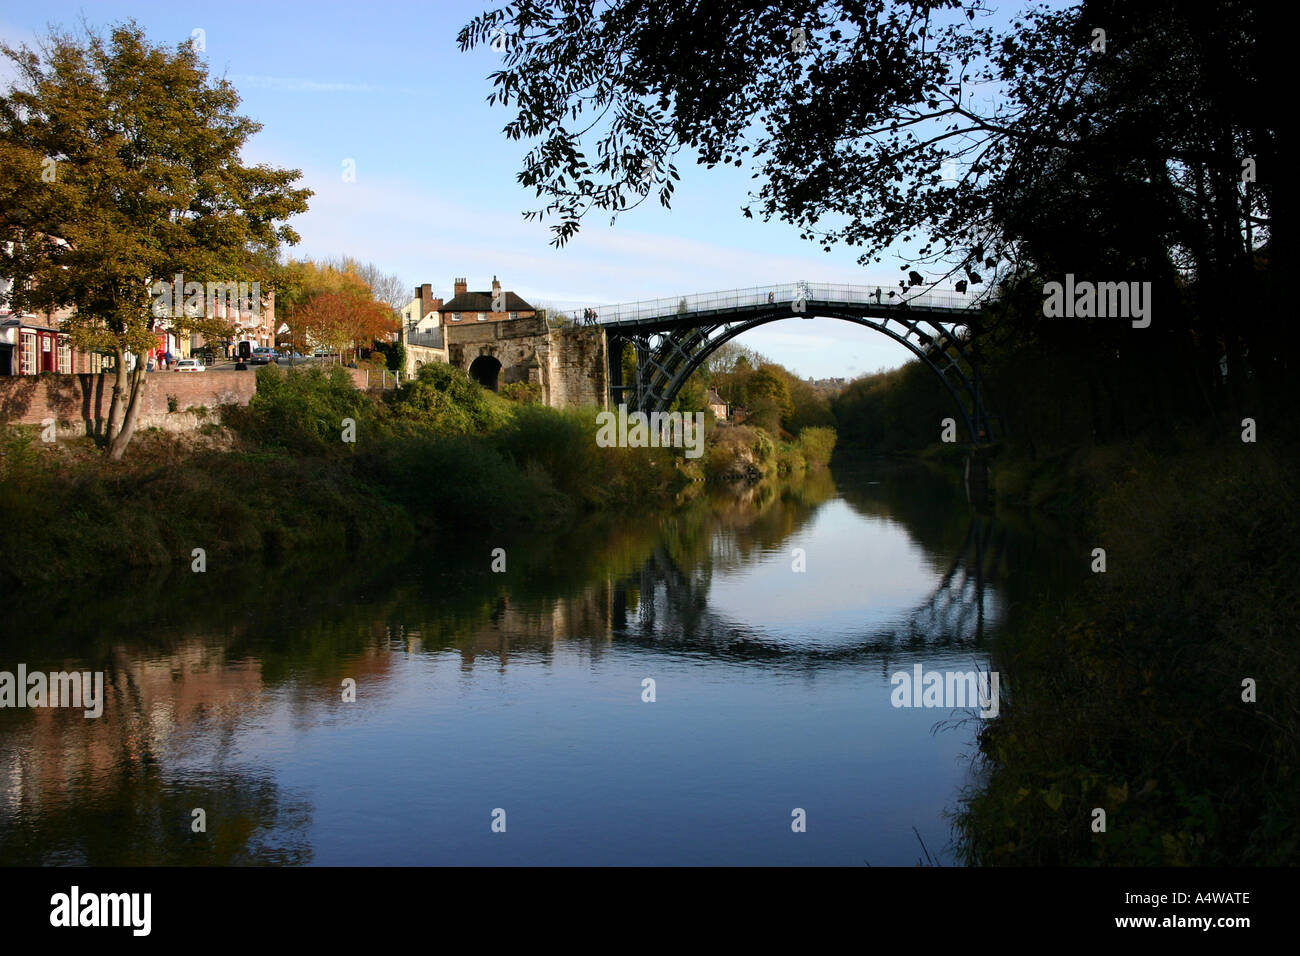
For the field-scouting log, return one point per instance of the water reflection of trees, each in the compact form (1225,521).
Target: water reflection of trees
(115,789)
(191,658)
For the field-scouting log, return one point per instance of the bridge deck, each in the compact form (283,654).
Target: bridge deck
(690,309)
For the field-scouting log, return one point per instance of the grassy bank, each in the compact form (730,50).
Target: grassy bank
(1130,699)
(312,463)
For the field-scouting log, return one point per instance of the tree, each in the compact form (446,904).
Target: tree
(338,302)
(769,382)
(866,121)
(1103,136)
(142,181)
(344,320)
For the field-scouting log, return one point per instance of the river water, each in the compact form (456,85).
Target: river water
(770,621)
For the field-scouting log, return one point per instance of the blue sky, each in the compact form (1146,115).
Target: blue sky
(435,196)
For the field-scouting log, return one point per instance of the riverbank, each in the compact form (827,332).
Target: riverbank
(313,463)
(1166,695)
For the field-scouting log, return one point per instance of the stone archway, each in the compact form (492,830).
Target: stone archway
(486,370)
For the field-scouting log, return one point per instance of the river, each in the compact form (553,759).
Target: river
(505,717)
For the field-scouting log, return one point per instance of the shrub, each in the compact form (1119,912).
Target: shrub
(302,410)
(525,393)
(444,398)
(562,443)
(817,444)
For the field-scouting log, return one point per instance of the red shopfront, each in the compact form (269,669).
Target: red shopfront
(42,350)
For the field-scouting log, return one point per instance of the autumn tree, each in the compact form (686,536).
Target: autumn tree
(120,168)
(343,320)
(351,296)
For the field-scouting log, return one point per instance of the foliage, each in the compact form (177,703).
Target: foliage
(444,399)
(146,182)
(525,393)
(817,445)
(894,411)
(301,409)
(1131,700)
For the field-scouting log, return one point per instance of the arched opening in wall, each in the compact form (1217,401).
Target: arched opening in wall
(485,370)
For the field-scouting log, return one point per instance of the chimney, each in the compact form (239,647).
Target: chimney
(496,286)
(461,287)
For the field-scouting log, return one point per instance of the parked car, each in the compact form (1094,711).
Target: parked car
(262,355)
(190,365)
(291,358)
(206,354)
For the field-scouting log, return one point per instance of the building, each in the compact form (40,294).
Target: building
(254,326)
(494,306)
(717,405)
(31,344)
(421,333)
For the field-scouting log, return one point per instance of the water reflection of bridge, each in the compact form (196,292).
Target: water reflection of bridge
(664,607)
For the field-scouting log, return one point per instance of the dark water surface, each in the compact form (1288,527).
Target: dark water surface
(522,691)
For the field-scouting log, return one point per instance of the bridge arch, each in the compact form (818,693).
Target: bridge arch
(657,390)
(674,337)
(486,370)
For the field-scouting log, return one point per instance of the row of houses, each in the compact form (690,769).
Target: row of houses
(32,343)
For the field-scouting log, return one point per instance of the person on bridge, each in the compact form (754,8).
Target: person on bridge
(771,297)
(877,295)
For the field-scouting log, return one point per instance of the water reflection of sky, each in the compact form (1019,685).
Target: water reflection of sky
(863,574)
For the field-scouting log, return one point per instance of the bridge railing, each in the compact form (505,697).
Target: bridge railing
(785,294)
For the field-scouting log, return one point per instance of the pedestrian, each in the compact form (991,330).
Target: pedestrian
(169,358)
(771,297)
(877,295)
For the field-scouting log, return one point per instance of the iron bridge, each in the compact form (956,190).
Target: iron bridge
(672,338)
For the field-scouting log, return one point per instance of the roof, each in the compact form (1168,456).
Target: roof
(29,322)
(715,399)
(482,302)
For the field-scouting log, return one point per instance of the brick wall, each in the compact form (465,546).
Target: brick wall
(81,402)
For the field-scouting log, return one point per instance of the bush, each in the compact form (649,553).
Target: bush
(460,481)
(525,393)
(817,444)
(1131,699)
(445,399)
(301,410)
(563,443)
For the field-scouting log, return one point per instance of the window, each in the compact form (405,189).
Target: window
(65,356)
(455,317)
(482,316)
(27,359)
(513,316)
